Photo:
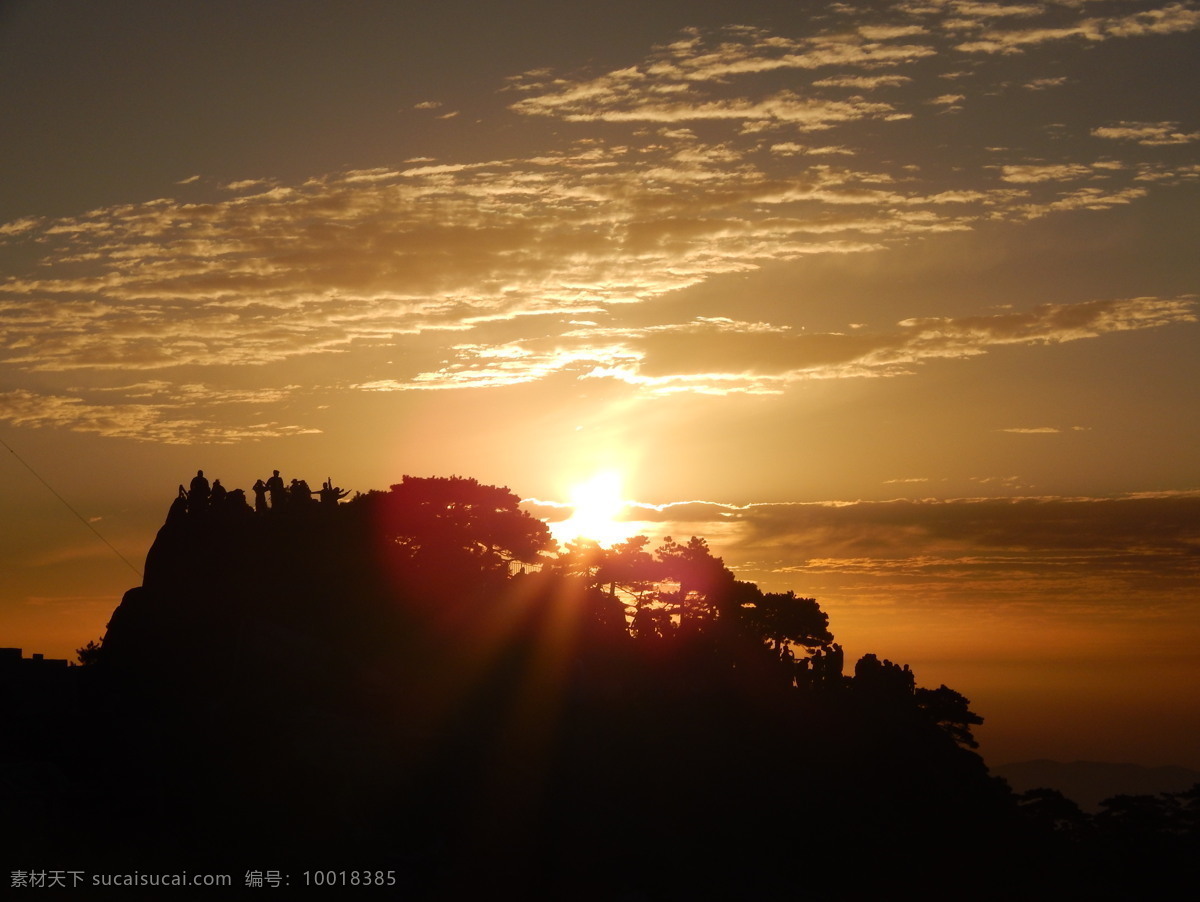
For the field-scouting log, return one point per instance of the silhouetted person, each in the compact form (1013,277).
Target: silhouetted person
(803,673)
(198,493)
(277,489)
(218,494)
(836,662)
(299,493)
(179,507)
(260,496)
(787,662)
(331,494)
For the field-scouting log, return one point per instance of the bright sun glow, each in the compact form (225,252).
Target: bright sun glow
(597,504)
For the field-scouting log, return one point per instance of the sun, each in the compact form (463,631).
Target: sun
(597,505)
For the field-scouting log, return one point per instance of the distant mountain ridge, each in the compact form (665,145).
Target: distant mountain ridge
(1089,783)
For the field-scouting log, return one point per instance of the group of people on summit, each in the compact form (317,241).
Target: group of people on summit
(823,668)
(201,496)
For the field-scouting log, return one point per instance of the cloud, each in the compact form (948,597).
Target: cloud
(1044,430)
(359,258)
(969,9)
(862,82)
(726,356)
(1166,524)
(1042,84)
(1148,134)
(688,80)
(1016,41)
(20,226)
(1169,19)
(1127,542)
(1125,555)
(1050,172)
(352,261)
(790,148)
(1087,199)
(784,106)
(158,421)
(1066,21)
(691,163)
(1116,555)
(247,184)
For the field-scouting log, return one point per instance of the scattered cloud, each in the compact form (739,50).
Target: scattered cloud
(688,79)
(247,184)
(689,164)
(358,258)
(726,356)
(1148,134)
(1169,19)
(149,422)
(1064,20)
(862,82)
(1051,172)
(1044,430)
(20,226)
(1043,84)
(1088,199)
(791,148)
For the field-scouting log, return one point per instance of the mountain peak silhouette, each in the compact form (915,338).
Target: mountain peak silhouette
(411,678)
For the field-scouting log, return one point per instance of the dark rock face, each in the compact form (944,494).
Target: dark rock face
(222,594)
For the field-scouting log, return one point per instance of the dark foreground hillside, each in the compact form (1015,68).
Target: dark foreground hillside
(408,682)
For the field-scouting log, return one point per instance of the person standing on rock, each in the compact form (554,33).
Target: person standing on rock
(198,493)
(277,489)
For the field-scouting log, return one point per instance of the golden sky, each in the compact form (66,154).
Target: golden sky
(896,303)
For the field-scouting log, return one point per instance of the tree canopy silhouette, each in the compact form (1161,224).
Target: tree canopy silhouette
(449,522)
